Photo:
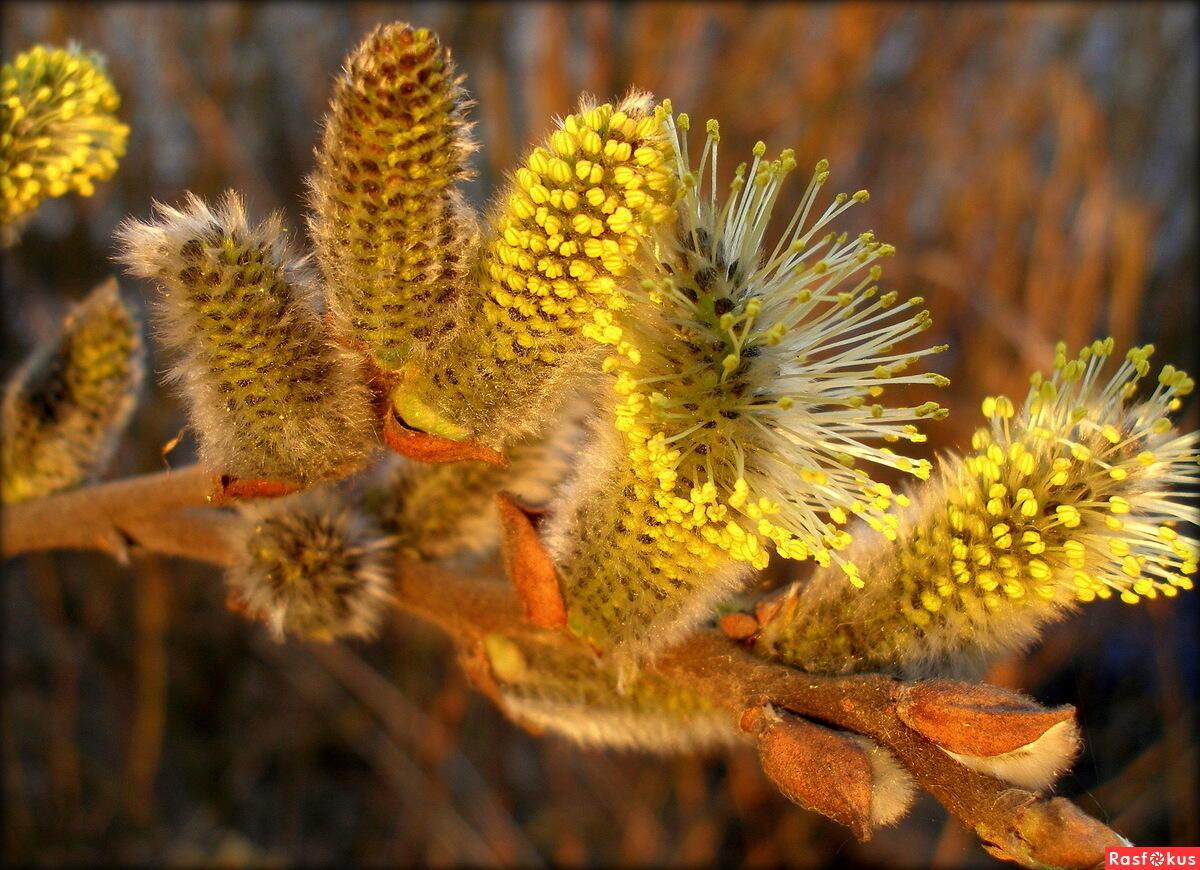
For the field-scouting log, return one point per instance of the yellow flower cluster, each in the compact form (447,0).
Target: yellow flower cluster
(1070,497)
(629,576)
(747,389)
(752,397)
(392,233)
(58,128)
(560,246)
(574,221)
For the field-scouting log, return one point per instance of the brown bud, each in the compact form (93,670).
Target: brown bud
(1052,833)
(739,626)
(817,768)
(975,718)
(529,566)
(423,447)
(228,489)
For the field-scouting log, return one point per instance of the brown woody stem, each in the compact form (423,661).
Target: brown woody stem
(155,512)
(158,512)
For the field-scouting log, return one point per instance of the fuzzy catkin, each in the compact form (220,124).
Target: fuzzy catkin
(310,565)
(443,510)
(574,695)
(628,579)
(268,394)
(66,408)
(392,233)
(745,408)
(58,129)
(562,242)
(827,626)
(1080,493)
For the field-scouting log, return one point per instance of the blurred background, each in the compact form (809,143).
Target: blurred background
(1035,165)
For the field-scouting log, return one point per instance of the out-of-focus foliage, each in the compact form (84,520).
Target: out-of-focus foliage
(1034,165)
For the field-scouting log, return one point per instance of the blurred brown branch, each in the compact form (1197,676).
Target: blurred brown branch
(161,513)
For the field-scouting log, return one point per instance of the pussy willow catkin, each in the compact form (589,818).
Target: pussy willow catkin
(59,132)
(267,392)
(65,409)
(310,565)
(1081,492)
(438,511)
(559,247)
(748,382)
(393,235)
(574,695)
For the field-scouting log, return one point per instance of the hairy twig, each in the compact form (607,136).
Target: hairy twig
(154,512)
(158,512)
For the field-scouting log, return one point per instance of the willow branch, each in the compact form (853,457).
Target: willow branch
(159,512)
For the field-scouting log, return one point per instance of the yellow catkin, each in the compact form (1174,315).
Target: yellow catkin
(59,131)
(563,239)
(1078,494)
(65,409)
(746,387)
(630,577)
(568,692)
(392,233)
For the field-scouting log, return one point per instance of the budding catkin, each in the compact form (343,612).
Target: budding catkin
(1080,493)
(563,240)
(66,408)
(393,235)
(437,511)
(310,565)
(268,394)
(58,129)
(572,694)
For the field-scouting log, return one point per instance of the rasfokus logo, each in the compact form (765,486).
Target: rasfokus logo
(1152,856)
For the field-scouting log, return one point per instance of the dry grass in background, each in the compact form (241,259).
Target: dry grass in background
(1035,167)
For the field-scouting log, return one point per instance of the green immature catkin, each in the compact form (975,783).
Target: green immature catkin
(392,233)
(268,394)
(571,693)
(310,565)
(437,511)
(65,409)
